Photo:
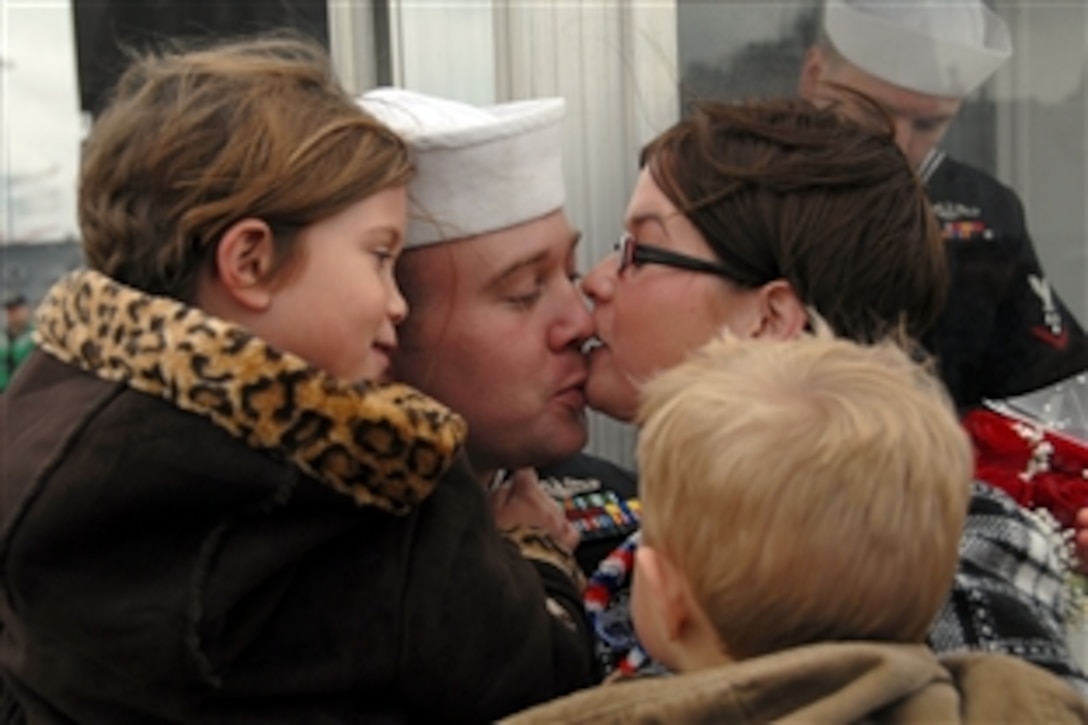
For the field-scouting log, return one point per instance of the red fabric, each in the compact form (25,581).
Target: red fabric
(1039,468)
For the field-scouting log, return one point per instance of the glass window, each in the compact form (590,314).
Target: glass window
(57,63)
(1027,125)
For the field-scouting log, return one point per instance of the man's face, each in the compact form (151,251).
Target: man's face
(921,120)
(495,332)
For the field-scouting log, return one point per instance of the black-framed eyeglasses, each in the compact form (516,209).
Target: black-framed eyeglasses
(634,253)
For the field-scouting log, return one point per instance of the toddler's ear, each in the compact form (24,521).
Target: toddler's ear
(662,596)
(670,623)
(244,260)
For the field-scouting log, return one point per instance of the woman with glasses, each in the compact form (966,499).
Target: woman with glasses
(747,216)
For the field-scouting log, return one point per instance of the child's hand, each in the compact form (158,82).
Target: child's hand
(520,501)
(1080,541)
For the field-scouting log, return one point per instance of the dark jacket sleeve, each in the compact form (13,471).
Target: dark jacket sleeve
(486,632)
(372,617)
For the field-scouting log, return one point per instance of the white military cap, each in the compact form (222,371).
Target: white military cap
(938,47)
(478,169)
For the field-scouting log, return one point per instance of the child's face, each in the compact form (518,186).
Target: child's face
(338,303)
(646,602)
(671,625)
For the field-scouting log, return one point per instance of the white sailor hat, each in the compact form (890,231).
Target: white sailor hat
(478,169)
(938,47)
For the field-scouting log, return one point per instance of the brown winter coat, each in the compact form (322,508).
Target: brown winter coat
(199,528)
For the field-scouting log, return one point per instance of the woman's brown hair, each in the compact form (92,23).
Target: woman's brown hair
(194,140)
(782,189)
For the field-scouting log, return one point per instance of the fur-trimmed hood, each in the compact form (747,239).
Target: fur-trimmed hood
(384,445)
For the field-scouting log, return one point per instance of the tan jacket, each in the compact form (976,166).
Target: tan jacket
(832,683)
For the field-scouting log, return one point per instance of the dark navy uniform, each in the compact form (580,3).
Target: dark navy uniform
(601,500)
(1004,330)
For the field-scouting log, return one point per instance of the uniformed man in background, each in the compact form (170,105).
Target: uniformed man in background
(1004,331)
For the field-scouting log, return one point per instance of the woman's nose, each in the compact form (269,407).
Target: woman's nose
(600,283)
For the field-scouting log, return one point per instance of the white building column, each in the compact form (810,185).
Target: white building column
(352,43)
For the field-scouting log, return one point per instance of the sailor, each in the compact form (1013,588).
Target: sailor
(1004,330)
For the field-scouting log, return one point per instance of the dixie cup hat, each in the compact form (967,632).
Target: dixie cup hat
(479,169)
(938,47)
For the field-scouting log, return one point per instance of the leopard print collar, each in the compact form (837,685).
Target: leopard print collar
(384,445)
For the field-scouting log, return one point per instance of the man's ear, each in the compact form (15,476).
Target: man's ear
(244,258)
(812,72)
(664,585)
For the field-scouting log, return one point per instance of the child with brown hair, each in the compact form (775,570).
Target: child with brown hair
(212,507)
(802,507)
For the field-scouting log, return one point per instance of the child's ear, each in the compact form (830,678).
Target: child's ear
(244,258)
(663,586)
(782,314)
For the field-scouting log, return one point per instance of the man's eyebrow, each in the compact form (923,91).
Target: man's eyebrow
(515,267)
(518,265)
